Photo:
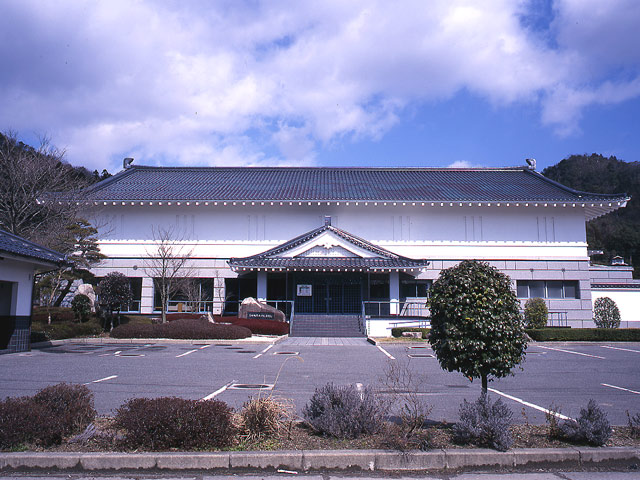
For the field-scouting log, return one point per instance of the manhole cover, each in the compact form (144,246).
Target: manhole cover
(251,386)
(286,353)
(420,355)
(245,351)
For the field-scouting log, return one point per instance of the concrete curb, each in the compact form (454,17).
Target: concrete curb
(310,460)
(165,341)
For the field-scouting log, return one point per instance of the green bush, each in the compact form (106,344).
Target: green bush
(81,306)
(606,313)
(535,313)
(47,417)
(397,331)
(171,422)
(585,334)
(58,331)
(476,326)
(58,314)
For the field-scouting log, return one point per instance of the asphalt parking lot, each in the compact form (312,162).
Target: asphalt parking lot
(566,374)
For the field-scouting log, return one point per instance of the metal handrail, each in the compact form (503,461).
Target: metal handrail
(395,308)
(220,307)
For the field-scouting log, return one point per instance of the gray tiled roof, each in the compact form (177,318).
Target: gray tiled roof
(384,260)
(15,245)
(142,183)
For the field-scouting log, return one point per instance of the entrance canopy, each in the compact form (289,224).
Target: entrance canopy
(328,249)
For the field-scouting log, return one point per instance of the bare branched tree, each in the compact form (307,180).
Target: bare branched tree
(30,179)
(168,263)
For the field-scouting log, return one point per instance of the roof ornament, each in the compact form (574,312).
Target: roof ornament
(531,162)
(126,163)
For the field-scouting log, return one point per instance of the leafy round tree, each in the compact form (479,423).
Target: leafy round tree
(476,326)
(81,306)
(115,294)
(535,313)
(606,313)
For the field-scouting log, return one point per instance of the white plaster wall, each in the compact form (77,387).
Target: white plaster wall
(627,300)
(452,232)
(22,273)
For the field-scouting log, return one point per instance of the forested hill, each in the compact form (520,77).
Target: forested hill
(617,233)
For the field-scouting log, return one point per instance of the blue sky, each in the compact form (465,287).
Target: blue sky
(335,83)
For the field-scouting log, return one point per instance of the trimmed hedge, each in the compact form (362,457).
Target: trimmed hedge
(585,334)
(258,326)
(397,331)
(68,329)
(171,422)
(45,418)
(189,329)
(58,314)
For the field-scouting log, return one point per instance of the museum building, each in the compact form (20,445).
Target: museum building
(325,243)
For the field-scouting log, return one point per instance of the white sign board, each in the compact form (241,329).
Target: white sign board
(304,290)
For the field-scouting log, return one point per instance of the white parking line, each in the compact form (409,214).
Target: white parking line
(622,349)
(263,351)
(529,404)
(205,346)
(186,353)
(571,351)
(619,388)
(219,391)
(102,379)
(385,352)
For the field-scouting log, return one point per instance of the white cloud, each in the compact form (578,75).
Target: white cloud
(221,83)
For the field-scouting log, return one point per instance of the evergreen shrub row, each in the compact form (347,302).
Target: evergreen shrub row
(585,334)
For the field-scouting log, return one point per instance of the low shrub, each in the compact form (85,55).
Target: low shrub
(171,422)
(171,317)
(606,313)
(484,423)
(191,329)
(81,306)
(47,417)
(71,404)
(535,313)
(634,424)
(591,427)
(133,330)
(58,314)
(397,331)
(264,417)
(585,334)
(61,330)
(259,326)
(344,412)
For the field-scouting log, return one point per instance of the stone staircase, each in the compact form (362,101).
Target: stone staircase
(326,326)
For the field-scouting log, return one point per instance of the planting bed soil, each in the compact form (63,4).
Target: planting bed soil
(301,437)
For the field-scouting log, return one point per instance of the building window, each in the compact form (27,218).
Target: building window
(552,289)
(414,288)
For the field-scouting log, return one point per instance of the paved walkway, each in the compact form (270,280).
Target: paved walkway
(329,341)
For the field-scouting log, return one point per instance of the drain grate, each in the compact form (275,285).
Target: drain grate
(417,347)
(130,355)
(251,386)
(286,353)
(420,355)
(234,348)
(245,351)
